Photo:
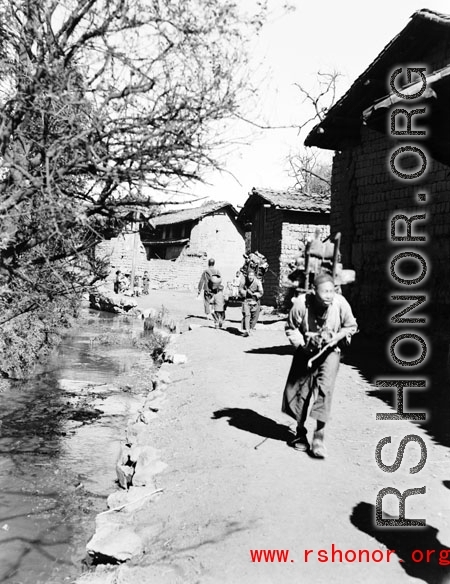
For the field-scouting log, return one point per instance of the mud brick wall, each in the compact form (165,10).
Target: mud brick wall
(365,195)
(181,274)
(213,236)
(119,252)
(297,230)
(217,236)
(277,234)
(267,225)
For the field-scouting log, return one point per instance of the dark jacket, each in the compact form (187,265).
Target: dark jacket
(205,279)
(251,290)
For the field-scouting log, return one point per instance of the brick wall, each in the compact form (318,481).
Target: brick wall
(365,194)
(297,229)
(278,234)
(266,238)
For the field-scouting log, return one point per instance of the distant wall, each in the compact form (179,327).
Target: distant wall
(213,236)
(277,234)
(297,230)
(120,250)
(217,236)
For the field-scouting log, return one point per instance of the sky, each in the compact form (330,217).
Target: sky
(319,35)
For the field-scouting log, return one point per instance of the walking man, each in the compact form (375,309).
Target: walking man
(320,322)
(251,291)
(209,283)
(218,306)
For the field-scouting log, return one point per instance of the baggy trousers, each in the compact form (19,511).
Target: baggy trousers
(250,314)
(314,387)
(207,296)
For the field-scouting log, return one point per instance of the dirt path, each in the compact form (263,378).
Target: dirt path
(233,485)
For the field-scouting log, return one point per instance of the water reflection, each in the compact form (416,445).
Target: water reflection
(60,434)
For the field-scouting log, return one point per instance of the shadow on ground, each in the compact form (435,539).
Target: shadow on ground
(405,540)
(233,331)
(275,350)
(373,362)
(198,317)
(250,421)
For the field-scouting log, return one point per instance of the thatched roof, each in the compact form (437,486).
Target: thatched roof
(192,214)
(284,200)
(422,42)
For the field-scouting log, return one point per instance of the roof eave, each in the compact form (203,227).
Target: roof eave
(329,133)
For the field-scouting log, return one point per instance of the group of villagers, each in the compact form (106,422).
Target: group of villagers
(319,326)
(248,288)
(123,284)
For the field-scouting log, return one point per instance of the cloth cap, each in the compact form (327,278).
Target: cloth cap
(322,278)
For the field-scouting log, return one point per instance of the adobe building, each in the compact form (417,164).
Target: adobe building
(280,224)
(174,247)
(178,244)
(367,193)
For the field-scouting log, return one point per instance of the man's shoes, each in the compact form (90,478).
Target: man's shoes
(220,324)
(318,448)
(299,443)
(245,334)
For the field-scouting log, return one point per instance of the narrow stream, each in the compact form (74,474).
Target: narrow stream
(60,434)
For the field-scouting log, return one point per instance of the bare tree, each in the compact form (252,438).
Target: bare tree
(101,102)
(321,98)
(311,173)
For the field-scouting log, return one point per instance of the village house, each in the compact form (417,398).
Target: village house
(280,224)
(366,193)
(190,236)
(174,247)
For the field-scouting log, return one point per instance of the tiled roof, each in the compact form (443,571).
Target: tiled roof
(293,200)
(191,214)
(340,128)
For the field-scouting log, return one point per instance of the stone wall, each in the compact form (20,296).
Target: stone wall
(365,195)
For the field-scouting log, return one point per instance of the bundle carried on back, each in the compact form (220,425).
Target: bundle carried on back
(215,283)
(257,262)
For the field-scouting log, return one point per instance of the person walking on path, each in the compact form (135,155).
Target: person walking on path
(251,291)
(209,283)
(218,306)
(319,323)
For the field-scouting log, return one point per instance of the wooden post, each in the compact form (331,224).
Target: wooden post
(337,246)
(135,228)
